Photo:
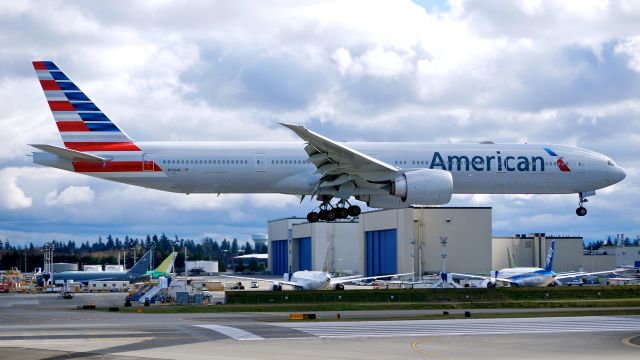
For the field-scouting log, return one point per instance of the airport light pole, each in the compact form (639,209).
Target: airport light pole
(443,253)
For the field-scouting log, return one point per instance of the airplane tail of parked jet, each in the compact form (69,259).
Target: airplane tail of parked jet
(548,266)
(512,262)
(165,267)
(82,125)
(141,267)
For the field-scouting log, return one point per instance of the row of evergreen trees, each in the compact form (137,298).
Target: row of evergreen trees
(27,258)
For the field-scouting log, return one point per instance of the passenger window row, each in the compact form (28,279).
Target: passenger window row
(205,162)
(289,162)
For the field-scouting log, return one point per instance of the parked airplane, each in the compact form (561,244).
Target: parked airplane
(530,276)
(382,174)
(137,273)
(165,268)
(315,280)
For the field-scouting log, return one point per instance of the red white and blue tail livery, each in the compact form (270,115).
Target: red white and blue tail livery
(382,174)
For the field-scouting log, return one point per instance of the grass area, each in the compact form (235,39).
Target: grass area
(442,296)
(169,309)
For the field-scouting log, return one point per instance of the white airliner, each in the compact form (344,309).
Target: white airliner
(382,174)
(531,276)
(315,280)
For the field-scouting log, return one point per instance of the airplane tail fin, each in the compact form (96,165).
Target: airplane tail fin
(142,265)
(167,264)
(82,125)
(548,266)
(512,263)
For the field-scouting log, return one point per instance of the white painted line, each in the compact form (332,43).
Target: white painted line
(232,332)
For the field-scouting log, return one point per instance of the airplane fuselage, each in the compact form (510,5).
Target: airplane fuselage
(283,167)
(525,276)
(311,280)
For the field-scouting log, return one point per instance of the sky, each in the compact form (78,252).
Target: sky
(553,72)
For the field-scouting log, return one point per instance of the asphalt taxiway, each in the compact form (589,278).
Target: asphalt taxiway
(42,326)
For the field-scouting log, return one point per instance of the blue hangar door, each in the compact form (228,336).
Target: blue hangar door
(304,254)
(382,252)
(280,254)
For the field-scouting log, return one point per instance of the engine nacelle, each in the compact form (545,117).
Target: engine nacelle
(423,187)
(338,287)
(488,284)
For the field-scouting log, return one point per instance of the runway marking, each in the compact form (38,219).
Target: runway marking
(466,326)
(414,346)
(12,303)
(232,332)
(627,341)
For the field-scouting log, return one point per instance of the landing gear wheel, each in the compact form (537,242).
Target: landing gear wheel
(322,215)
(340,212)
(330,215)
(581,211)
(277,287)
(313,217)
(339,287)
(354,210)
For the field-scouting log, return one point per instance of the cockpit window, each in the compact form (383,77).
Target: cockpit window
(611,163)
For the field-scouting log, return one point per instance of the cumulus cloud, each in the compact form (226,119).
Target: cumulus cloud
(70,196)
(11,195)
(518,71)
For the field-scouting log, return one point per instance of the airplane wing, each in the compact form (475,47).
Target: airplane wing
(290,283)
(69,154)
(348,279)
(580,274)
(342,168)
(479,277)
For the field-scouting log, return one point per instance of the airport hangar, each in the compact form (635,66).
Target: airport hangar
(409,241)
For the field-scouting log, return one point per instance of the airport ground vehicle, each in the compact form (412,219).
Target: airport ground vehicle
(574,282)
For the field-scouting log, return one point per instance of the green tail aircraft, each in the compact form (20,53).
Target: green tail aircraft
(165,267)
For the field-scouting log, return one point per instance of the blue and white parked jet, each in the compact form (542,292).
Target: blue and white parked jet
(530,276)
(382,174)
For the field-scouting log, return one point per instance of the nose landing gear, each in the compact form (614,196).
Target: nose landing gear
(581,210)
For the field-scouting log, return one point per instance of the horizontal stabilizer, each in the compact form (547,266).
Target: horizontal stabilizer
(72,155)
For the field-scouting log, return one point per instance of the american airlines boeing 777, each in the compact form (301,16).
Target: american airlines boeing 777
(382,174)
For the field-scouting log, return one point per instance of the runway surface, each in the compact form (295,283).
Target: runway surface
(51,330)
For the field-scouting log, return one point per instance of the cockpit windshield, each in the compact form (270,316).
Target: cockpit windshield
(611,163)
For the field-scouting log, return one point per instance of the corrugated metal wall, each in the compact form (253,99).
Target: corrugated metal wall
(382,252)
(280,254)
(304,253)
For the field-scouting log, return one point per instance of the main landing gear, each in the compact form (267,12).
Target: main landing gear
(329,212)
(581,210)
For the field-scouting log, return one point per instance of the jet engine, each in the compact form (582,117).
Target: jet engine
(423,187)
(488,284)
(419,187)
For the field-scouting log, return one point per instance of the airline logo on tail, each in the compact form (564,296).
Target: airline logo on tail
(85,128)
(81,123)
(548,266)
(561,164)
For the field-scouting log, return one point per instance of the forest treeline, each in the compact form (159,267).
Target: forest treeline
(112,250)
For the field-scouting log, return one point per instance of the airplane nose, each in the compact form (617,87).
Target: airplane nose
(619,174)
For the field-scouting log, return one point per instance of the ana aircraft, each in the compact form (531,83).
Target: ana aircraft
(530,276)
(382,174)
